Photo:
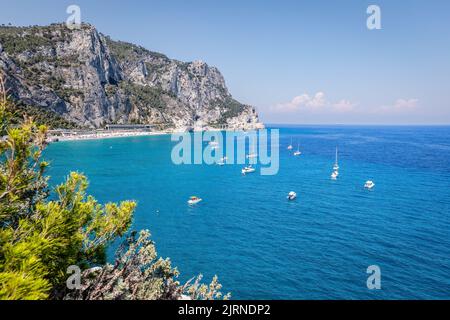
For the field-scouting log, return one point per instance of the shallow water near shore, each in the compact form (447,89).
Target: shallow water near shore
(262,246)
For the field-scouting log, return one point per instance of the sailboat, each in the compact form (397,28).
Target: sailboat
(334,175)
(336,165)
(222,161)
(253,153)
(297,153)
(214,145)
(290,146)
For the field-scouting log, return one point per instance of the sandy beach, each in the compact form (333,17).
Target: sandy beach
(102,135)
(68,135)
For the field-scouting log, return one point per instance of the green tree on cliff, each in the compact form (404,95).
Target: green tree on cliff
(40,239)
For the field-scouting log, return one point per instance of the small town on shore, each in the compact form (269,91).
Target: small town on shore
(132,130)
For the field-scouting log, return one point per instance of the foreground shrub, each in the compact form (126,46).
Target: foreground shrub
(41,238)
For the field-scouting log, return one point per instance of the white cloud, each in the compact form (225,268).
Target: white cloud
(318,104)
(303,102)
(400,105)
(314,103)
(344,106)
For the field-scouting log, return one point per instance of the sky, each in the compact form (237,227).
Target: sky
(297,62)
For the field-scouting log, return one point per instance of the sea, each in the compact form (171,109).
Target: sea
(262,246)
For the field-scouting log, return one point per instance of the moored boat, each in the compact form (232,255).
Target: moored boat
(292,196)
(336,165)
(290,147)
(298,152)
(334,175)
(194,200)
(369,184)
(248,169)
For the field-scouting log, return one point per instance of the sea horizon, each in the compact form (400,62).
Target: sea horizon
(350,125)
(258,151)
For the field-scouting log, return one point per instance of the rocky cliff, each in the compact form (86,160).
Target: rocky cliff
(89,80)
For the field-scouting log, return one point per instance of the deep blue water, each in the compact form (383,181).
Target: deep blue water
(318,247)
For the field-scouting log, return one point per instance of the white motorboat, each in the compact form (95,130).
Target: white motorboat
(194,200)
(222,161)
(369,184)
(248,169)
(292,196)
(336,165)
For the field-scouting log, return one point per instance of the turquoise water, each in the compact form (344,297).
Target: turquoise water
(318,247)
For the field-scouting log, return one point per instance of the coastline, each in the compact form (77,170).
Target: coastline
(103,135)
(73,135)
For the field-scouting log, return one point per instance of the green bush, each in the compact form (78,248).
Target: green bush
(124,51)
(232,109)
(41,238)
(144,95)
(14,40)
(41,116)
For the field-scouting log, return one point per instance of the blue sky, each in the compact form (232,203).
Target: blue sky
(297,61)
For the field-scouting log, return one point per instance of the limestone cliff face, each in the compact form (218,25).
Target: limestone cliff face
(91,80)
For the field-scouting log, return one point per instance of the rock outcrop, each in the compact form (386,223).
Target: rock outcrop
(91,80)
